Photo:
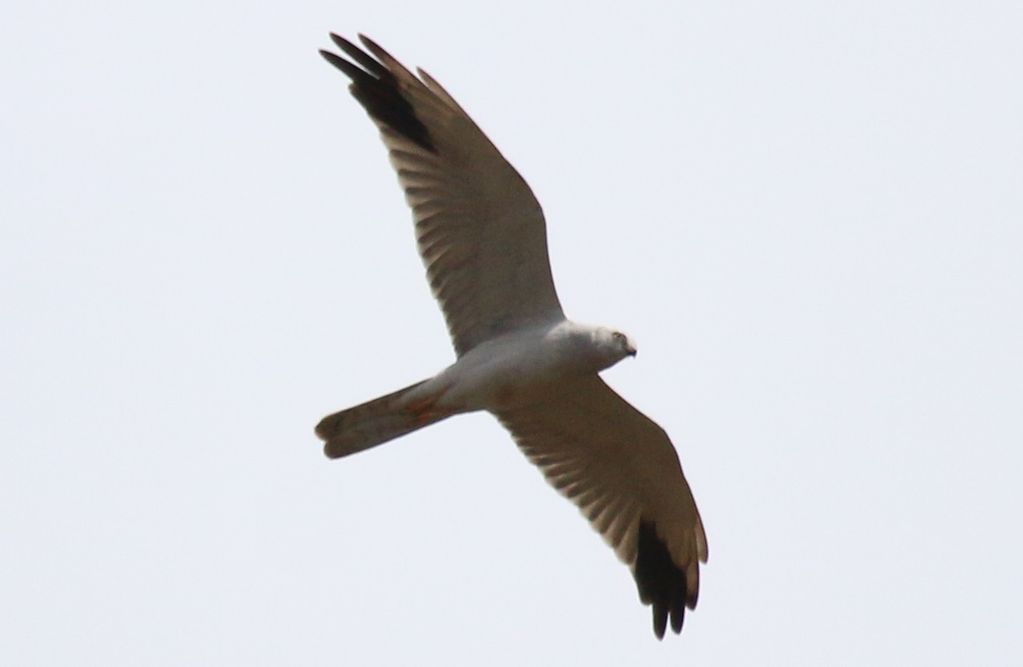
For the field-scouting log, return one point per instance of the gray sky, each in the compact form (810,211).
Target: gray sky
(807,213)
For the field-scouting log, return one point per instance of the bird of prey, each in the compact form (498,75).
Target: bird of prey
(482,236)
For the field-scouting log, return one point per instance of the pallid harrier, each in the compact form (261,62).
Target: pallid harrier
(482,237)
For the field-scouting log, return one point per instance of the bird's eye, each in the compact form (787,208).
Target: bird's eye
(619,336)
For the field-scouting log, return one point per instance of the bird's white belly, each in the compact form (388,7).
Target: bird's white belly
(504,372)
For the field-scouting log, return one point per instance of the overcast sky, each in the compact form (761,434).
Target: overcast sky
(808,214)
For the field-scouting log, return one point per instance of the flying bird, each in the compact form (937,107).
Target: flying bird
(482,236)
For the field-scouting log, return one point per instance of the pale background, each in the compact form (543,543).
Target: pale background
(809,215)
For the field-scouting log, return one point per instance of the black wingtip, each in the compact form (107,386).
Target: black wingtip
(339,40)
(378,89)
(660,621)
(335,60)
(661,583)
(373,47)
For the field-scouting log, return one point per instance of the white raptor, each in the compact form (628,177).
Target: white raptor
(482,237)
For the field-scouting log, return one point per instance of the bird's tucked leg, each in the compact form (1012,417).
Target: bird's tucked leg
(425,410)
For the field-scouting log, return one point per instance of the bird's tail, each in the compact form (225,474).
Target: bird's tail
(375,422)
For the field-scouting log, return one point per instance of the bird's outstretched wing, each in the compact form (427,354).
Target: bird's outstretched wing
(480,230)
(621,470)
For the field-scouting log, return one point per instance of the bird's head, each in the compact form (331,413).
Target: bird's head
(614,344)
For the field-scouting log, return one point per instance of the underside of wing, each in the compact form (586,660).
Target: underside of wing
(621,470)
(480,230)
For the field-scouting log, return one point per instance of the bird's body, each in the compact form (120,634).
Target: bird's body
(507,371)
(482,236)
(503,373)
